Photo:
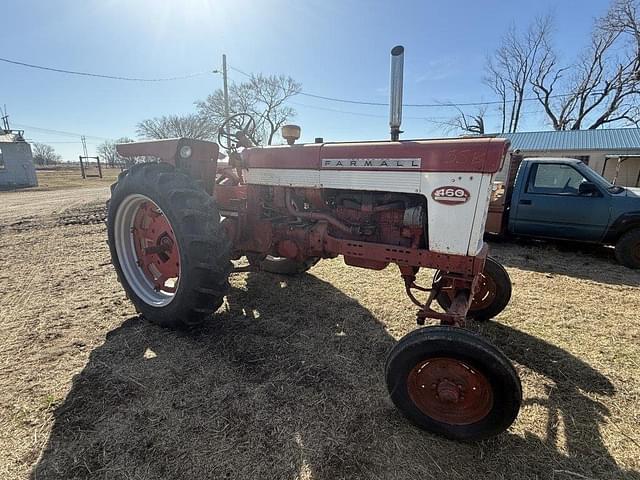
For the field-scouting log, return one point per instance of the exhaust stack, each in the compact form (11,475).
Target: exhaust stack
(395,92)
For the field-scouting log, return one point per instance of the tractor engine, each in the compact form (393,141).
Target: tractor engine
(390,218)
(292,214)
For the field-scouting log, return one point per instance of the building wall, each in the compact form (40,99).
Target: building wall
(18,168)
(629,169)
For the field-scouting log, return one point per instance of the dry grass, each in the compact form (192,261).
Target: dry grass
(287,380)
(66,178)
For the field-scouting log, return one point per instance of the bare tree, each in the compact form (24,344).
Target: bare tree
(109,155)
(44,154)
(603,87)
(173,126)
(466,123)
(544,81)
(509,70)
(264,97)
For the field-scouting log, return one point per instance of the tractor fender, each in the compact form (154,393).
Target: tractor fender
(196,158)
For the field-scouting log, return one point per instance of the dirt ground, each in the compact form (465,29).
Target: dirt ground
(30,205)
(287,379)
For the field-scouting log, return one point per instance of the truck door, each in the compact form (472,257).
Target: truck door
(550,205)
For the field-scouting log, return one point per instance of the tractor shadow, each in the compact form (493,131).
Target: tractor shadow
(287,382)
(569,387)
(589,262)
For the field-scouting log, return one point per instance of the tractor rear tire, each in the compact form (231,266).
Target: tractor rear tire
(493,297)
(167,245)
(282,265)
(453,383)
(628,249)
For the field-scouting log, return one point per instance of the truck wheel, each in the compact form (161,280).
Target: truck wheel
(281,265)
(492,296)
(454,383)
(167,245)
(628,249)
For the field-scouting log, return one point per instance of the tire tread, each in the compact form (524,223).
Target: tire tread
(205,241)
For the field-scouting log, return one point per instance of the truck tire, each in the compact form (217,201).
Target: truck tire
(167,245)
(451,382)
(493,296)
(628,249)
(281,265)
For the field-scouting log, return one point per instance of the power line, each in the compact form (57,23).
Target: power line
(67,143)
(306,94)
(428,105)
(311,95)
(427,119)
(423,105)
(347,112)
(239,71)
(98,75)
(58,132)
(57,142)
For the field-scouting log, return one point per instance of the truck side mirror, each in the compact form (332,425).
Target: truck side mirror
(588,188)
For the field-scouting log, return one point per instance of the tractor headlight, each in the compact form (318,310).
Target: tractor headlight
(185,152)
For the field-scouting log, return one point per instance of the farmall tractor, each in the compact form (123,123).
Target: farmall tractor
(175,225)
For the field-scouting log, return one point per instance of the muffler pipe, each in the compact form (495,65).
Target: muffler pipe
(395,92)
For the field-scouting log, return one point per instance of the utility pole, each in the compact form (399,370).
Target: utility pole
(5,120)
(83,170)
(226,93)
(83,139)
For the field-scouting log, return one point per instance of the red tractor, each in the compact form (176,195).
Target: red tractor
(176,224)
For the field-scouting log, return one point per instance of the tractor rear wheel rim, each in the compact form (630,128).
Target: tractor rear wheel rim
(450,391)
(147,249)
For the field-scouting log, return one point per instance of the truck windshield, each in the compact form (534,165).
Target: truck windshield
(606,183)
(564,178)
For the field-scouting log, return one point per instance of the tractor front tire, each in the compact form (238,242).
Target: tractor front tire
(453,383)
(628,249)
(281,265)
(492,297)
(167,245)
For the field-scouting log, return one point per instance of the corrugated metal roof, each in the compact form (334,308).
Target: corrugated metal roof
(609,139)
(10,137)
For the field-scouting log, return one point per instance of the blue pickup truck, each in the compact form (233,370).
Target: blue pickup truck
(562,198)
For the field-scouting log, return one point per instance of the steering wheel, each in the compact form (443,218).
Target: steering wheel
(235,130)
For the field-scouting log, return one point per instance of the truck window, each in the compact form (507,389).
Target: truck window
(554,179)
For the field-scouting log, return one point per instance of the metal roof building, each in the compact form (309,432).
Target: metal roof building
(611,152)
(612,139)
(16,161)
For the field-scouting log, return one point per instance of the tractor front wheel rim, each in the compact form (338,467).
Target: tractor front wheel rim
(485,293)
(450,391)
(147,250)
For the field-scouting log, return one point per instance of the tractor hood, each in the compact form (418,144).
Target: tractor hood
(482,155)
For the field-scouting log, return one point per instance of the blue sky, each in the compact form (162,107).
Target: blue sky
(335,48)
